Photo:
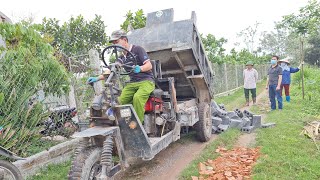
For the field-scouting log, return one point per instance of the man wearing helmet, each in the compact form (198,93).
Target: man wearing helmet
(141,84)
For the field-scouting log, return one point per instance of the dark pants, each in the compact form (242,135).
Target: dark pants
(253,93)
(286,89)
(273,93)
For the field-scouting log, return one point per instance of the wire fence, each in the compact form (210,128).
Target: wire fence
(229,76)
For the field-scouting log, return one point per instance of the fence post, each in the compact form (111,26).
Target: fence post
(237,80)
(95,65)
(225,75)
(72,97)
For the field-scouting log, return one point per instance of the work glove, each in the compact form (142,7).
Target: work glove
(92,79)
(137,69)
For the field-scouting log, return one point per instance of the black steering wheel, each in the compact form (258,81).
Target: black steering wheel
(130,60)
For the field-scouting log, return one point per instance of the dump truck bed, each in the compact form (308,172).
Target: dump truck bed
(177,45)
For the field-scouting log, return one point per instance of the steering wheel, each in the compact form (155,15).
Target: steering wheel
(130,59)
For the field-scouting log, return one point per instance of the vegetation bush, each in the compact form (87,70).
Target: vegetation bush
(27,66)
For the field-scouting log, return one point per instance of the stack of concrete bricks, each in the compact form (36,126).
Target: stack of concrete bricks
(244,121)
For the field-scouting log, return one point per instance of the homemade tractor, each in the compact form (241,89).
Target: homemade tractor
(184,89)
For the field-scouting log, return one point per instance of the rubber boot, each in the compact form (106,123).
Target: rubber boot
(247,102)
(288,98)
(254,101)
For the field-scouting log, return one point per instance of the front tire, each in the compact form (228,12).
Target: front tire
(87,164)
(9,171)
(204,125)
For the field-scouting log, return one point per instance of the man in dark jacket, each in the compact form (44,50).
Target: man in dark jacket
(274,82)
(141,83)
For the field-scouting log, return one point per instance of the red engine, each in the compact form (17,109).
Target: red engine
(154,104)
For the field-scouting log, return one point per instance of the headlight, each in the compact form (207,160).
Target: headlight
(126,112)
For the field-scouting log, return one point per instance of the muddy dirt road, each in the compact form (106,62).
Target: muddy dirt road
(169,162)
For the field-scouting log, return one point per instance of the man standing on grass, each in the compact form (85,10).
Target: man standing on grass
(250,78)
(274,83)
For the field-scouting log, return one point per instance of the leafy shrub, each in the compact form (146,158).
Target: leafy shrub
(27,65)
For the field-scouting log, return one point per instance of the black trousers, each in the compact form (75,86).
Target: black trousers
(253,93)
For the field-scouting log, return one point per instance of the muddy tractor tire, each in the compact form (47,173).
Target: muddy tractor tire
(9,171)
(204,126)
(86,164)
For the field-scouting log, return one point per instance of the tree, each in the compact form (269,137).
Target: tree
(75,37)
(274,42)
(249,36)
(134,21)
(304,24)
(214,47)
(27,66)
(313,52)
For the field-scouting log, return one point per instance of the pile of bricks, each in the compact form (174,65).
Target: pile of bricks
(231,165)
(245,121)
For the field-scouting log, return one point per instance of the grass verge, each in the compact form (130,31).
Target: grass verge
(53,172)
(285,153)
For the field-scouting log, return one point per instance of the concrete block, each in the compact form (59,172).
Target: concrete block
(246,122)
(234,123)
(214,129)
(233,115)
(216,121)
(248,129)
(268,125)
(214,105)
(222,106)
(248,113)
(225,120)
(222,128)
(256,121)
(239,113)
(218,112)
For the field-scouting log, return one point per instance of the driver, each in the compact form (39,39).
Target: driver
(141,84)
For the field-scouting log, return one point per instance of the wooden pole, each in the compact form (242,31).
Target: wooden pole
(302,61)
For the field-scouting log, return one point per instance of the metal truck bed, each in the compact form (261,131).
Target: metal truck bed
(177,45)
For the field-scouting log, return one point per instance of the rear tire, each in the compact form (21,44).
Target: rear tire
(14,171)
(204,125)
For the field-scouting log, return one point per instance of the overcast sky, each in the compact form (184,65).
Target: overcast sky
(222,18)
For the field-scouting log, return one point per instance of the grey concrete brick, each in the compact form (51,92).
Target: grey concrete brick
(268,125)
(256,121)
(225,120)
(248,129)
(234,123)
(222,128)
(216,121)
(214,129)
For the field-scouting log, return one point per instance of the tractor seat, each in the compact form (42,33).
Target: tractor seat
(156,93)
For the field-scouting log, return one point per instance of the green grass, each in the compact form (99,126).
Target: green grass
(236,99)
(285,153)
(38,146)
(226,139)
(53,172)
